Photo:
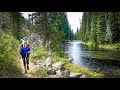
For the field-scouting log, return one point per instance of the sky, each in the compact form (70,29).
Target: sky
(73,18)
(25,14)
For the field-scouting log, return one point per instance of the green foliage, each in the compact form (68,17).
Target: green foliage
(53,27)
(114,25)
(8,55)
(16,22)
(100,27)
(42,51)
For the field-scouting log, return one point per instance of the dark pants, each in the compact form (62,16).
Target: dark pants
(26,59)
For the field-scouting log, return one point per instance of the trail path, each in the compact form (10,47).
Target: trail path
(32,69)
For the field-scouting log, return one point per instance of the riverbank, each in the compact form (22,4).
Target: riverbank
(41,54)
(114,46)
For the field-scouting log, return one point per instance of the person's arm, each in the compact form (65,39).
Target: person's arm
(20,48)
(20,51)
(30,48)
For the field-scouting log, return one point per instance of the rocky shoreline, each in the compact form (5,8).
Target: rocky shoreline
(57,70)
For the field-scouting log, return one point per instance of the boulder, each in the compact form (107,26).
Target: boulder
(59,73)
(75,75)
(70,59)
(51,71)
(48,62)
(58,65)
(66,73)
(42,64)
(83,76)
(53,76)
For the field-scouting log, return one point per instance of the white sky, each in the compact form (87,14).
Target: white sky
(25,14)
(73,18)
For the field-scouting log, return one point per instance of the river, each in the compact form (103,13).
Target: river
(99,60)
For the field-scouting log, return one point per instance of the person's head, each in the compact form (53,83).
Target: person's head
(25,42)
(25,38)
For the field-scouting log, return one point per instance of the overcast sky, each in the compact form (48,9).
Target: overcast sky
(73,18)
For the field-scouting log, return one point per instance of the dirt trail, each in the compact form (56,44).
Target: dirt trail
(32,69)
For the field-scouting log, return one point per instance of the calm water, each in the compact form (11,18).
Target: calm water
(100,60)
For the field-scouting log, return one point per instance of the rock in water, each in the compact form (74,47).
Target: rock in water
(70,59)
(75,75)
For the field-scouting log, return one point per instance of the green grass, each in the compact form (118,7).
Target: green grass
(89,43)
(40,51)
(40,73)
(113,46)
(110,46)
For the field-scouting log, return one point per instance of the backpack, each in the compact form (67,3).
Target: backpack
(21,41)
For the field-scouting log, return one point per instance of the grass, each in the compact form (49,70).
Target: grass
(110,46)
(40,73)
(113,46)
(13,70)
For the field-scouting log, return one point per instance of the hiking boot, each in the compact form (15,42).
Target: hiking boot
(27,67)
(25,71)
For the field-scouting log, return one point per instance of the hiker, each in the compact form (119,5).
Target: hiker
(25,52)
(21,42)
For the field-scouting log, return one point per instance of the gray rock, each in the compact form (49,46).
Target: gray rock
(53,76)
(58,65)
(42,64)
(66,73)
(75,75)
(83,76)
(51,71)
(70,59)
(59,73)
(48,62)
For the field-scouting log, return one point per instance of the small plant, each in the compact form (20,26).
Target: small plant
(40,73)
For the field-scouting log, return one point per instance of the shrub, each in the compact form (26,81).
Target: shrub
(8,55)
